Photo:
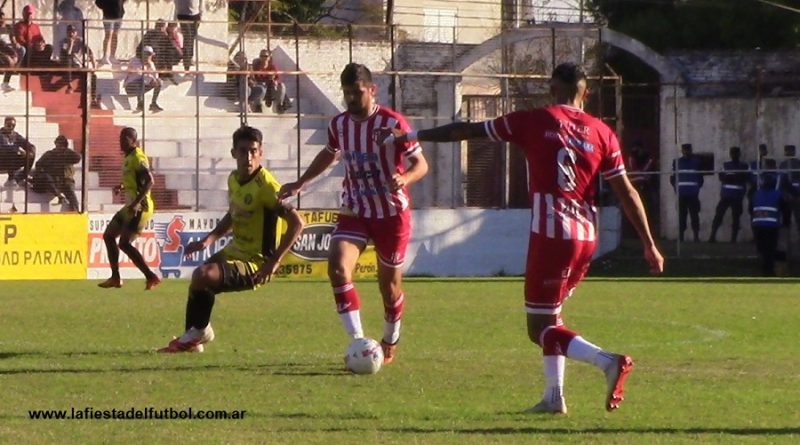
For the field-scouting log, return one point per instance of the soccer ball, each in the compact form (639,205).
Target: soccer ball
(363,356)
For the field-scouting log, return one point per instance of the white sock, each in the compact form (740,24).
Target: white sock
(554,367)
(351,321)
(584,351)
(391,331)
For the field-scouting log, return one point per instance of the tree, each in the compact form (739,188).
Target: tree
(701,24)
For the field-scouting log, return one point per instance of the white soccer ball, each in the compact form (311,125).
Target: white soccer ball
(363,356)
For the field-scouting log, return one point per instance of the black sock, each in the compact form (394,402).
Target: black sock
(198,308)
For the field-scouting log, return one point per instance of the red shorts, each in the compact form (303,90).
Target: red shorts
(390,235)
(554,269)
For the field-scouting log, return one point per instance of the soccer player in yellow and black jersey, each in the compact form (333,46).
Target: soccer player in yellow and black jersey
(253,254)
(128,222)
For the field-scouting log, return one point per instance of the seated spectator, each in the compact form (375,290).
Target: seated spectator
(69,14)
(55,173)
(165,53)
(41,54)
(26,30)
(74,54)
(8,44)
(142,77)
(16,154)
(236,84)
(265,85)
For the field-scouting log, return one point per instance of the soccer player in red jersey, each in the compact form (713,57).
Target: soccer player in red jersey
(375,201)
(566,150)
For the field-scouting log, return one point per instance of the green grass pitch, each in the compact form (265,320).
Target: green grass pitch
(717,361)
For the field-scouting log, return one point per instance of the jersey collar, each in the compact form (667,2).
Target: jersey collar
(255,173)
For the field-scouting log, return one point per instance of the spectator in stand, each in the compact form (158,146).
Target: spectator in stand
(8,60)
(733,179)
(266,86)
(69,14)
(142,77)
(176,38)
(687,180)
(74,54)
(55,173)
(113,12)
(16,154)
(236,84)
(40,55)
(158,39)
(26,31)
(189,13)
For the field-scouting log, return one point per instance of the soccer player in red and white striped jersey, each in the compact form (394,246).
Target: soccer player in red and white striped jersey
(566,150)
(375,201)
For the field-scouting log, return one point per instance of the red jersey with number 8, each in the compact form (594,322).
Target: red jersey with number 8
(566,149)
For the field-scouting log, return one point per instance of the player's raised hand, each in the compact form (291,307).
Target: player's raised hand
(387,135)
(289,189)
(654,258)
(265,272)
(194,246)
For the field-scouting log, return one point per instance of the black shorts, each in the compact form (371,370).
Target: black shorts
(237,275)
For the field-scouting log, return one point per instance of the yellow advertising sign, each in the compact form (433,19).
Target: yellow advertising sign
(308,256)
(41,247)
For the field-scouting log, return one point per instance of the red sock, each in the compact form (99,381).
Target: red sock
(346,298)
(394,312)
(555,340)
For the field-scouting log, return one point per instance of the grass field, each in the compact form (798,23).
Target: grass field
(717,361)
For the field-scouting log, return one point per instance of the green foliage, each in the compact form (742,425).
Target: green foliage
(702,24)
(717,362)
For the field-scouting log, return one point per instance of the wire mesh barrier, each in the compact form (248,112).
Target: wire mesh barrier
(210,78)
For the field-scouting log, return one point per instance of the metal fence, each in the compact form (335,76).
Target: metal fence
(433,76)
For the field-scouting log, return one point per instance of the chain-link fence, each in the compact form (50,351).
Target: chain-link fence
(284,80)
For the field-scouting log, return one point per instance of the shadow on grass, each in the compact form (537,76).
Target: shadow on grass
(277,369)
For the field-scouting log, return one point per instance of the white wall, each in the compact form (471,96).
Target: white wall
(483,242)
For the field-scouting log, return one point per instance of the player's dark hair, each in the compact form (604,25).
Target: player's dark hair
(130,132)
(248,134)
(355,72)
(569,73)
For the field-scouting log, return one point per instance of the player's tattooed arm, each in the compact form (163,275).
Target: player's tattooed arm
(456,131)
(223,226)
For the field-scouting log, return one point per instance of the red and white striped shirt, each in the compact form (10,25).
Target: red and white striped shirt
(566,150)
(369,165)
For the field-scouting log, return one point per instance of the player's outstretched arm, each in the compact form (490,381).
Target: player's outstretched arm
(321,162)
(457,131)
(223,227)
(294,223)
(634,210)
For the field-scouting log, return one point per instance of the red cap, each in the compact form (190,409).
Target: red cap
(29,8)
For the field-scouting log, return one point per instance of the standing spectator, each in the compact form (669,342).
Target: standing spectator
(266,86)
(687,180)
(733,178)
(69,15)
(55,173)
(188,12)
(75,54)
(8,44)
(113,12)
(562,183)
(768,206)
(640,164)
(16,154)
(236,84)
(165,53)
(790,173)
(376,202)
(142,77)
